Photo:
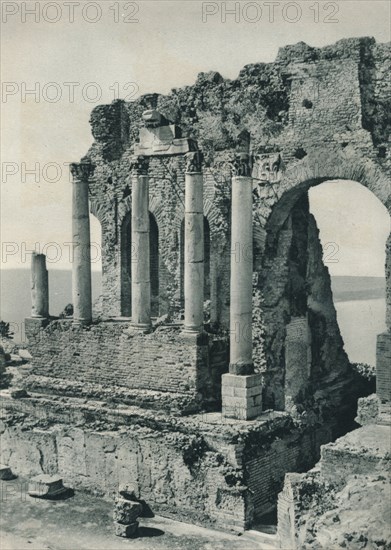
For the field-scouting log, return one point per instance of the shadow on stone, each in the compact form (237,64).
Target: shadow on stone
(147,510)
(149,532)
(64,495)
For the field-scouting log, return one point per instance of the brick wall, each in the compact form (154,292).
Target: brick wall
(106,354)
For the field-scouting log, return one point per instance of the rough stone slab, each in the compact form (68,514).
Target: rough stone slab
(358,452)
(46,486)
(6,473)
(126,511)
(126,531)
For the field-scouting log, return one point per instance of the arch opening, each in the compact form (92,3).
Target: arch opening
(298,290)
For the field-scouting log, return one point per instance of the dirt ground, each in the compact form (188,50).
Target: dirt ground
(84,522)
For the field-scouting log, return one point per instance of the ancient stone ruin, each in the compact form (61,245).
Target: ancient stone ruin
(213,364)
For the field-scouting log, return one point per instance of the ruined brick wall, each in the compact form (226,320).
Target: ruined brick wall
(198,468)
(307,101)
(266,469)
(86,360)
(324,112)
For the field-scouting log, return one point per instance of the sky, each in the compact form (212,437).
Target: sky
(76,55)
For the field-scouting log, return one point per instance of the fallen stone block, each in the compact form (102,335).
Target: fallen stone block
(126,511)
(126,531)
(6,473)
(25,354)
(18,393)
(46,486)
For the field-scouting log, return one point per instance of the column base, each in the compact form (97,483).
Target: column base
(241,396)
(82,321)
(193,330)
(142,328)
(241,368)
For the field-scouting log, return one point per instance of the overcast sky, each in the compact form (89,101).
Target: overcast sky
(134,48)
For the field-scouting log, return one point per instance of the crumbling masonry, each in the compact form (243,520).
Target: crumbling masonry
(214,363)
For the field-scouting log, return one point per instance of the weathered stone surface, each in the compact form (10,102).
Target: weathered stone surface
(126,511)
(46,486)
(346,502)
(368,410)
(126,531)
(18,393)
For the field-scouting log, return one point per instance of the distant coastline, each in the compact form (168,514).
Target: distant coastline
(15,304)
(347,289)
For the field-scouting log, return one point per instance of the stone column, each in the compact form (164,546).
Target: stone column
(241,388)
(297,359)
(194,245)
(141,277)
(39,286)
(81,266)
(383,352)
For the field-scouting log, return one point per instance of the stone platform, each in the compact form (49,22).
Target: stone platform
(215,471)
(362,451)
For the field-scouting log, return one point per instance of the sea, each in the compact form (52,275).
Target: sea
(359,301)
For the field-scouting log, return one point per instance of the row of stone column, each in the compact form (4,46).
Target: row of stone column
(241,387)
(194,245)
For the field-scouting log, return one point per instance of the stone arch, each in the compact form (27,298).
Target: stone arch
(319,167)
(281,224)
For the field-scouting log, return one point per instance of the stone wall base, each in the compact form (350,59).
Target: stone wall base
(203,468)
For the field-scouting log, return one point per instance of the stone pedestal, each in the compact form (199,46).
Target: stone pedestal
(242,396)
(141,278)
(194,245)
(241,389)
(39,286)
(81,266)
(125,517)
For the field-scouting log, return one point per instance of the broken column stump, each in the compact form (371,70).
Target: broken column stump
(46,486)
(125,515)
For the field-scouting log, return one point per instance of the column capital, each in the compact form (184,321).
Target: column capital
(139,165)
(81,171)
(241,165)
(194,161)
